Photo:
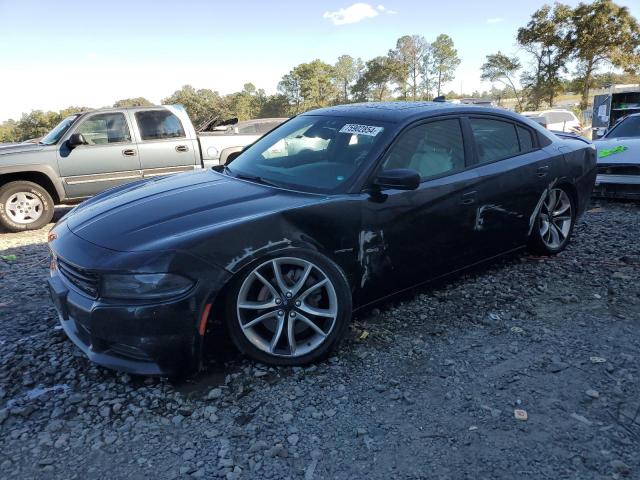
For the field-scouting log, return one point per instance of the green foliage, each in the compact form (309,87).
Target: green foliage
(409,55)
(346,71)
(133,102)
(603,32)
(546,38)
(375,81)
(445,60)
(501,68)
(202,105)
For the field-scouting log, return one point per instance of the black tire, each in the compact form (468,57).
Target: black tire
(31,190)
(342,296)
(539,242)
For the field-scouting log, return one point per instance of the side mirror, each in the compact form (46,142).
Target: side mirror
(75,140)
(398,178)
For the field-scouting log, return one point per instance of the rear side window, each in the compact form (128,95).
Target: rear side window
(495,139)
(159,124)
(526,140)
(432,149)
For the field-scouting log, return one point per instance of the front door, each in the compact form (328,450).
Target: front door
(163,144)
(408,237)
(109,158)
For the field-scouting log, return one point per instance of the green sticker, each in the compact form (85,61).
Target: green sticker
(611,151)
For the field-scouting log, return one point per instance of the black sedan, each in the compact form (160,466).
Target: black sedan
(332,211)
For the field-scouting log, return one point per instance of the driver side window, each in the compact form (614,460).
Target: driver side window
(432,149)
(105,128)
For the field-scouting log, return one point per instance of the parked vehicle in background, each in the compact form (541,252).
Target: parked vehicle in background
(90,152)
(619,160)
(284,243)
(610,108)
(558,120)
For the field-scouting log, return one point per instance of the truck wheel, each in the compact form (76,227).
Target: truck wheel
(24,206)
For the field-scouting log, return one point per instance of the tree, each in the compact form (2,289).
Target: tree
(445,60)
(427,72)
(8,132)
(374,83)
(274,106)
(546,38)
(202,105)
(289,88)
(603,32)
(501,68)
(408,54)
(316,86)
(346,72)
(133,102)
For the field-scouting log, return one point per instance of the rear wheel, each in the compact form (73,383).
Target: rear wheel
(289,310)
(554,223)
(24,206)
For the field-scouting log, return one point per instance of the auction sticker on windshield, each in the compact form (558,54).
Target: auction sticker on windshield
(361,129)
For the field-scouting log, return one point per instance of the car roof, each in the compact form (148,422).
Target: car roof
(396,112)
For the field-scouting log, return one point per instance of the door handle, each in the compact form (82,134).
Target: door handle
(182,148)
(129,152)
(543,171)
(468,198)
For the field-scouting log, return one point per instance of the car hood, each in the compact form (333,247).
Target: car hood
(618,151)
(20,148)
(173,212)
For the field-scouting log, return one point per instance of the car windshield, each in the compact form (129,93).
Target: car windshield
(628,128)
(311,153)
(56,134)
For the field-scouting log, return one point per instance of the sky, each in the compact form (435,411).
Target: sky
(83,53)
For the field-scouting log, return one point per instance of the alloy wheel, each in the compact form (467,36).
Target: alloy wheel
(555,218)
(24,207)
(287,307)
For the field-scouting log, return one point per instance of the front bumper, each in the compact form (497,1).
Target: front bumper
(155,339)
(145,337)
(617,186)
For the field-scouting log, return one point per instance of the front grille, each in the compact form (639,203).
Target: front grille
(619,169)
(84,280)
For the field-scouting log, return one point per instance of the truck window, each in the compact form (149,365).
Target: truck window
(105,128)
(158,125)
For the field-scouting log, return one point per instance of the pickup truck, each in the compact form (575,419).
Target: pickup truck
(93,151)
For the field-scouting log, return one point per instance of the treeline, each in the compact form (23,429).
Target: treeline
(565,50)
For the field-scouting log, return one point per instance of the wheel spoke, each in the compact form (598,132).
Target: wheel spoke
(312,288)
(259,319)
(303,279)
(282,285)
(274,292)
(555,236)
(318,312)
(311,324)
(291,337)
(249,305)
(277,334)
(544,228)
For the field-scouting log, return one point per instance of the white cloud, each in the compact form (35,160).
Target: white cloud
(495,20)
(355,13)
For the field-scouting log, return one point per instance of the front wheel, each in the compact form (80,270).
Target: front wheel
(554,224)
(289,310)
(24,206)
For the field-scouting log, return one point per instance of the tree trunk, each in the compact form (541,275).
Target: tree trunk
(439,82)
(584,101)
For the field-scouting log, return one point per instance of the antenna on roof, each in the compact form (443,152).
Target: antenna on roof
(440,99)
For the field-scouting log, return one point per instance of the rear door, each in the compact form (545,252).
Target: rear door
(109,158)
(512,172)
(164,143)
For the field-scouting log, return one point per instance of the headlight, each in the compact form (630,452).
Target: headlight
(145,285)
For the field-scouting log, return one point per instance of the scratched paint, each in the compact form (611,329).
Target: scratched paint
(479,223)
(249,252)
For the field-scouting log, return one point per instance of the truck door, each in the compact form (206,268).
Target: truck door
(163,143)
(109,157)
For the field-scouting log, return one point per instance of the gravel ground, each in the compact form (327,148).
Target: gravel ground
(424,387)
